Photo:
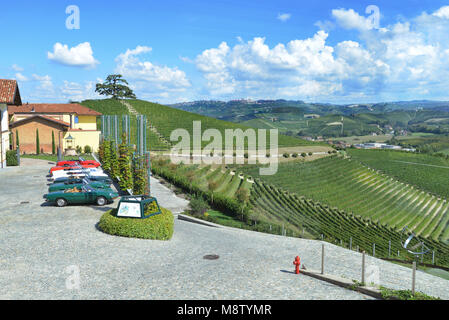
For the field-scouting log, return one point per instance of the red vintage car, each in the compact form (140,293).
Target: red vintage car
(78,162)
(75,164)
(72,167)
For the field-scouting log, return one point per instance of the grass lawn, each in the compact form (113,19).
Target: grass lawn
(433,271)
(54,158)
(220,218)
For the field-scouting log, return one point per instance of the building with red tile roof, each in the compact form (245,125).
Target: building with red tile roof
(9,96)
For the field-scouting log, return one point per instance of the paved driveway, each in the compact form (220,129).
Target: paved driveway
(42,248)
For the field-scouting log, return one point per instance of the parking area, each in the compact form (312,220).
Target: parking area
(41,246)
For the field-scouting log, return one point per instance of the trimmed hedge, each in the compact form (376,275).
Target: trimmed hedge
(159,227)
(11,158)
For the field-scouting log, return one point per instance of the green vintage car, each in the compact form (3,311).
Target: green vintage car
(84,195)
(71,183)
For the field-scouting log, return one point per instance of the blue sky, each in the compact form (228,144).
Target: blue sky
(173,51)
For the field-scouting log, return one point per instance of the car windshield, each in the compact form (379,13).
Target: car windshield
(88,188)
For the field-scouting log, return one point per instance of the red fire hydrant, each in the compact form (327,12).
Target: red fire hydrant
(297,263)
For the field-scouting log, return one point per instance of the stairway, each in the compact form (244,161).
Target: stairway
(153,129)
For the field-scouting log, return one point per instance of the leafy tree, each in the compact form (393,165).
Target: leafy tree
(116,87)
(213,185)
(17,139)
(114,169)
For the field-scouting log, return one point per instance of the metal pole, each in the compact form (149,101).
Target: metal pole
(433,257)
(413,277)
(116,130)
(322,259)
(350,243)
(363,268)
(374,249)
(18,155)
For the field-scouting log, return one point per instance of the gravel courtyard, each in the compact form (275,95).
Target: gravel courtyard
(42,245)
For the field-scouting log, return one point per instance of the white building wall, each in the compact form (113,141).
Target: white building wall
(4,143)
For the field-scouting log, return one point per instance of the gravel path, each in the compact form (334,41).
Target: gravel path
(38,244)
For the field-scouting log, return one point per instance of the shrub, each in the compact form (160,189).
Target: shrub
(87,150)
(295,155)
(242,195)
(286,155)
(139,176)
(303,155)
(53,145)
(38,148)
(114,169)
(79,150)
(11,158)
(310,153)
(198,205)
(125,167)
(159,227)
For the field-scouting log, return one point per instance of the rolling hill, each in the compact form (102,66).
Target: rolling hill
(163,120)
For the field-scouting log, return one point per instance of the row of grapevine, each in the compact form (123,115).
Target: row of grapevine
(355,188)
(335,225)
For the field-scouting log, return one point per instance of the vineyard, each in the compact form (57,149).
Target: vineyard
(164,120)
(427,172)
(272,207)
(352,187)
(335,225)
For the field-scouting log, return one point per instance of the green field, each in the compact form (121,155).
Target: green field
(423,171)
(350,186)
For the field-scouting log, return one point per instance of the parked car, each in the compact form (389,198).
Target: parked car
(78,162)
(103,179)
(75,172)
(83,195)
(72,167)
(78,183)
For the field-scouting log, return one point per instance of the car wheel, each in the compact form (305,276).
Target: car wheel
(61,202)
(101,201)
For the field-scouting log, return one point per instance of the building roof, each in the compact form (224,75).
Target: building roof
(17,123)
(43,108)
(9,92)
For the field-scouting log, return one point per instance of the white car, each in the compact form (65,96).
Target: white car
(79,172)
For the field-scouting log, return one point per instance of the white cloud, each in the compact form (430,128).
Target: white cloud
(79,56)
(405,60)
(349,19)
(284,16)
(148,79)
(17,68)
(75,91)
(299,68)
(21,77)
(443,12)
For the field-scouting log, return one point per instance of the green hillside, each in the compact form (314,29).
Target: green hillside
(293,117)
(427,172)
(165,119)
(273,206)
(352,187)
